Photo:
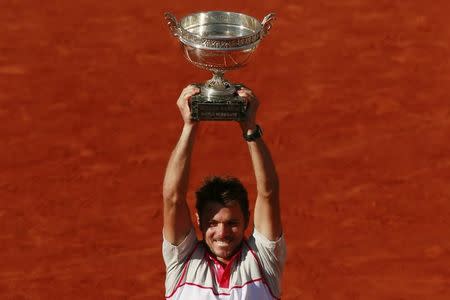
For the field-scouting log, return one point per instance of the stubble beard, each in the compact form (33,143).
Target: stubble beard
(226,252)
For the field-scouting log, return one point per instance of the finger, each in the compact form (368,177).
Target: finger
(188,92)
(246,93)
(190,87)
(248,98)
(191,90)
(246,90)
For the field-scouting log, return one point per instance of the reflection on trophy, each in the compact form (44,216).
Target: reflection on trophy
(219,41)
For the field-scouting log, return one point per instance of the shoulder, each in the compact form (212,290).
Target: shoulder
(257,240)
(179,253)
(269,253)
(268,257)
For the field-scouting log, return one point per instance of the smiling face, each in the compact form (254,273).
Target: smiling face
(223,228)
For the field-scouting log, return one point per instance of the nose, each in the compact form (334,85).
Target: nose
(222,230)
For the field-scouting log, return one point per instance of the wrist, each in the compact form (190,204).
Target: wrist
(251,135)
(248,127)
(190,127)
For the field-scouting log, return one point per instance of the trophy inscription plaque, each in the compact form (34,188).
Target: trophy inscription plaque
(219,41)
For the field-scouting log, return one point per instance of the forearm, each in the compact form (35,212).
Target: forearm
(177,220)
(176,178)
(267,219)
(267,183)
(263,166)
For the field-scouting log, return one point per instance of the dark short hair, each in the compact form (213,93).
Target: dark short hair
(222,190)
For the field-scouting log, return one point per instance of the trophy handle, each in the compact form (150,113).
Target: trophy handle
(267,24)
(172,23)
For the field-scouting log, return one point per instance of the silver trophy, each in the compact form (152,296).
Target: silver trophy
(219,41)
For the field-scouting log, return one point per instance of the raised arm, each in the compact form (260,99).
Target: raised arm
(267,219)
(177,219)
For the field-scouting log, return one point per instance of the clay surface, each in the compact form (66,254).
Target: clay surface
(355,106)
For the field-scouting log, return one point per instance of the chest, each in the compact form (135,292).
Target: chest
(251,290)
(243,278)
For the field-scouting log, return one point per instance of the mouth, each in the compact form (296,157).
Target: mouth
(222,243)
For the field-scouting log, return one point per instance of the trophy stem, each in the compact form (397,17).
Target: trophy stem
(218,85)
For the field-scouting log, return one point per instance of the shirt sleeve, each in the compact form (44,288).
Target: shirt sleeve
(175,258)
(272,256)
(176,254)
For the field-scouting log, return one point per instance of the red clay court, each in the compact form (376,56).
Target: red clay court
(355,105)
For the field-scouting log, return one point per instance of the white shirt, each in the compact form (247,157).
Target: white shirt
(253,273)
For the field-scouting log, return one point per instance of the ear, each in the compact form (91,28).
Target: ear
(247,220)
(197,217)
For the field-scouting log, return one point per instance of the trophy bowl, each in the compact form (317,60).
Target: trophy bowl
(219,41)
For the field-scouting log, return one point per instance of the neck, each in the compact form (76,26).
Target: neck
(223,261)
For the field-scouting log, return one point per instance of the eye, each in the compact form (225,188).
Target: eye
(233,223)
(212,224)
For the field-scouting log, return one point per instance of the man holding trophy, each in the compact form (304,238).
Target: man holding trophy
(224,264)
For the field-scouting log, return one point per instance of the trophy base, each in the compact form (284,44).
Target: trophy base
(218,107)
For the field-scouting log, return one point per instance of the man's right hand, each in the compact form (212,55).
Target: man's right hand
(183,103)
